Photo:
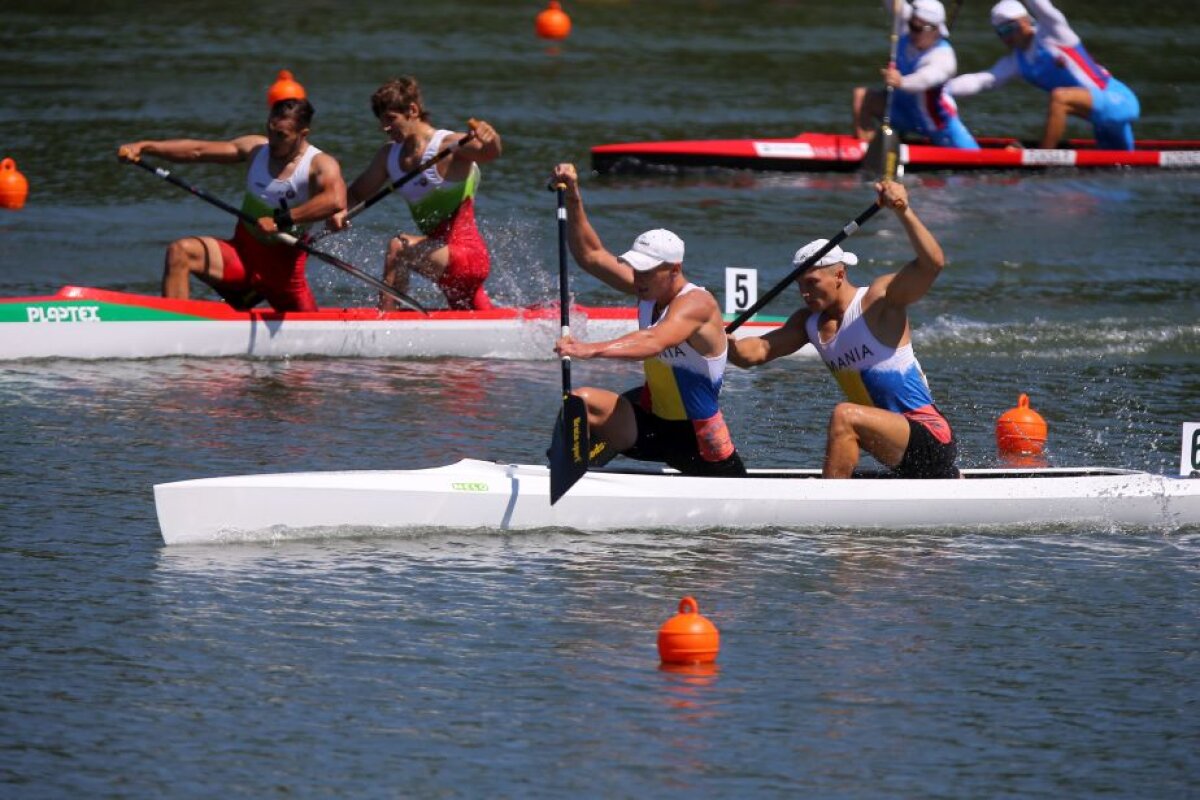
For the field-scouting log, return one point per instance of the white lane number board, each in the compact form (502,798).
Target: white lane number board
(1189,459)
(741,288)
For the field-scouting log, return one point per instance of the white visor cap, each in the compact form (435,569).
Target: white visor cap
(653,249)
(836,255)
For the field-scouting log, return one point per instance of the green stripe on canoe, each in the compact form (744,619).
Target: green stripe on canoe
(87,311)
(774,319)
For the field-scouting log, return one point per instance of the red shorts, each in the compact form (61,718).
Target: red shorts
(274,271)
(462,282)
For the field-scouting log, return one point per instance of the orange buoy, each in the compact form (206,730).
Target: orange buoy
(1021,430)
(285,87)
(552,22)
(688,637)
(13,186)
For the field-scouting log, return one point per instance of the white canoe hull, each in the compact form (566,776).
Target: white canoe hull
(85,323)
(484,495)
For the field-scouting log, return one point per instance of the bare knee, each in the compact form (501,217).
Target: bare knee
(396,248)
(841,421)
(185,255)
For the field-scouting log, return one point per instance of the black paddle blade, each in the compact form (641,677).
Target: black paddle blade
(568,448)
(883,153)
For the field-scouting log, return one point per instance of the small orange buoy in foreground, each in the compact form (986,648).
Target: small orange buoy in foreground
(1021,430)
(285,88)
(13,186)
(688,637)
(552,22)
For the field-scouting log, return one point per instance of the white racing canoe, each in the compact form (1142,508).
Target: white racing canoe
(86,323)
(471,495)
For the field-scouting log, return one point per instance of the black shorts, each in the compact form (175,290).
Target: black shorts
(925,456)
(673,442)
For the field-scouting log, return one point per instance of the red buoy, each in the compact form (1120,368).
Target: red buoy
(1020,431)
(13,186)
(552,22)
(688,637)
(285,88)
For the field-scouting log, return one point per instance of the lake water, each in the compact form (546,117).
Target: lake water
(1043,663)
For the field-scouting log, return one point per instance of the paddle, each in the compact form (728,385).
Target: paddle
(285,238)
(569,446)
(886,145)
(360,207)
(846,231)
(953,15)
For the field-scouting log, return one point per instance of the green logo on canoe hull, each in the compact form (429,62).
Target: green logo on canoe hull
(469,487)
(84,311)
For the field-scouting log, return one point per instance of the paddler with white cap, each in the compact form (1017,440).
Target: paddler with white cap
(675,416)
(863,336)
(925,61)
(1047,53)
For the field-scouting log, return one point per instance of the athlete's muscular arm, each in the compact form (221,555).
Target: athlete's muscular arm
(187,150)
(752,351)
(586,248)
(686,315)
(326,191)
(916,277)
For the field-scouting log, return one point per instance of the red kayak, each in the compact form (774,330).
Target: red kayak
(831,152)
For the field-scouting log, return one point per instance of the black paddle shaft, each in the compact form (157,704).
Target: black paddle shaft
(285,238)
(570,447)
(564,294)
(890,139)
(848,230)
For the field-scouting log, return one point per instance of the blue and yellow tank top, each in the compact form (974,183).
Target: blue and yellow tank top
(869,372)
(682,383)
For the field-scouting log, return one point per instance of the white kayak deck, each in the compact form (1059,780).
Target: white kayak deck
(474,494)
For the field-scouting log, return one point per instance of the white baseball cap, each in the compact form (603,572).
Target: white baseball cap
(1007,11)
(933,12)
(653,249)
(836,255)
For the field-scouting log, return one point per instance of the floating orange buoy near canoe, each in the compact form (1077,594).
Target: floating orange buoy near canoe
(1021,430)
(285,88)
(688,637)
(552,22)
(13,186)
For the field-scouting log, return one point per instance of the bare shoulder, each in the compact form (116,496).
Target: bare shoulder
(798,319)
(878,290)
(699,302)
(325,161)
(247,146)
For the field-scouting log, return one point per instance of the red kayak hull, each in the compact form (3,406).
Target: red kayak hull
(824,152)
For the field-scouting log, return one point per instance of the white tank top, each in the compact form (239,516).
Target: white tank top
(273,193)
